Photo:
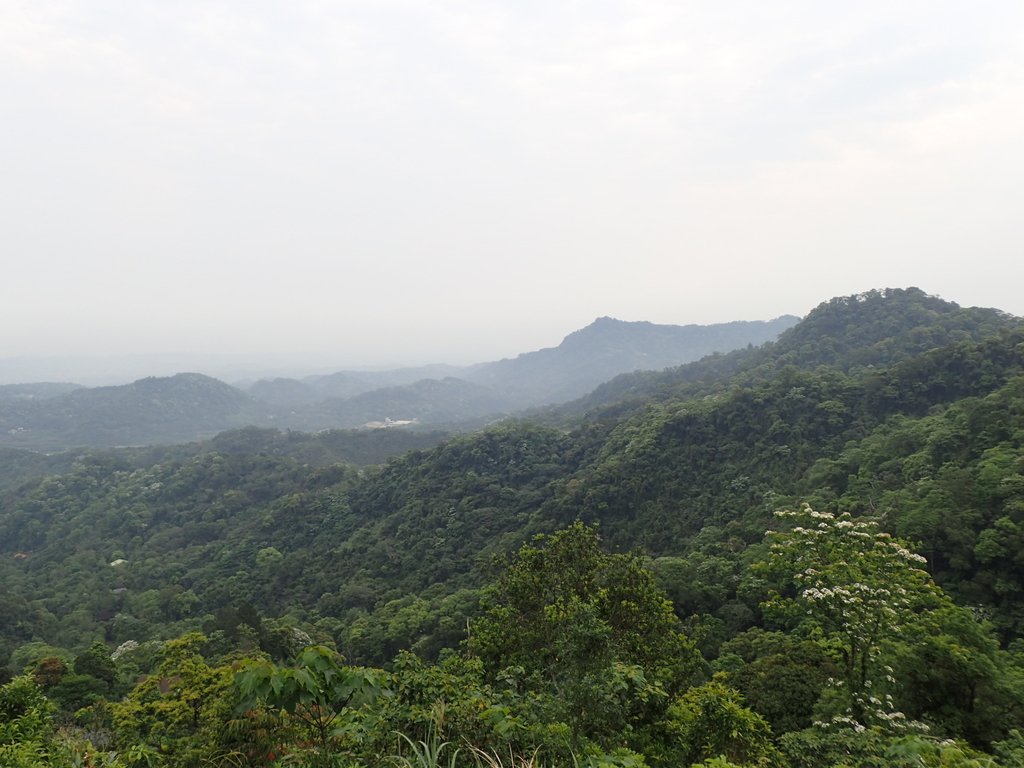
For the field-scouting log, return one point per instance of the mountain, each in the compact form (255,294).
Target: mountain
(283,393)
(850,333)
(608,347)
(926,433)
(895,408)
(178,408)
(345,384)
(585,358)
(37,391)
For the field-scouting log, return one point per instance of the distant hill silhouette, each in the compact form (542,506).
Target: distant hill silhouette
(608,347)
(584,359)
(180,408)
(37,391)
(190,406)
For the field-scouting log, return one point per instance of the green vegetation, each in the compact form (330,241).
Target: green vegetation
(614,589)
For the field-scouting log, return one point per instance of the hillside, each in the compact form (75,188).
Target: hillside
(38,391)
(914,423)
(585,358)
(447,402)
(672,476)
(341,385)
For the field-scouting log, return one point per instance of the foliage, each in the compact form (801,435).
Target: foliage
(179,711)
(427,754)
(448,701)
(710,721)
(858,587)
(781,676)
(588,632)
(872,748)
(323,696)
(26,724)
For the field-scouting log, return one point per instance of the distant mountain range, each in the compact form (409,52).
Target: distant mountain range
(585,358)
(609,347)
(191,406)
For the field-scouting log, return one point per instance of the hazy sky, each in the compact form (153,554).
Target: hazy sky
(404,181)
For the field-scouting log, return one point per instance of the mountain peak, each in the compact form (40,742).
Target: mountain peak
(882,326)
(609,327)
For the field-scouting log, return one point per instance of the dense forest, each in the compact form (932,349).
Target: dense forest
(801,554)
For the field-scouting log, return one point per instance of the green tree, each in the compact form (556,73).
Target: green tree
(589,631)
(854,586)
(179,710)
(780,675)
(319,692)
(710,721)
(96,662)
(955,677)
(26,724)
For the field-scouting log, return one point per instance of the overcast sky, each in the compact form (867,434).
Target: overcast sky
(405,181)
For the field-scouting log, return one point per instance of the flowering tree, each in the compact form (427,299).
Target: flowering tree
(856,587)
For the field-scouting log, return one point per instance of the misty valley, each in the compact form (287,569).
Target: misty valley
(796,543)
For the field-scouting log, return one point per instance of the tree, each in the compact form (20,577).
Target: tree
(49,671)
(318,692)
(589,632)
(96,662)
(955,677)
(856,587)
(181,707)
(780,676)
(710,721)
(26,724)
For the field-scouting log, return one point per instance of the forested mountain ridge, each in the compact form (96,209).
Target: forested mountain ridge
(607,347)
(876,328)
(920,431)
(360,448)
(39,391)
(341,385)
(447,401)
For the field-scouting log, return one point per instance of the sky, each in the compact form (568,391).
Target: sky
(326,185)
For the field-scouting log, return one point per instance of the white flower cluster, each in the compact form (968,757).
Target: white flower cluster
(877,712)
(840,721)
(123,648)
(906,554)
